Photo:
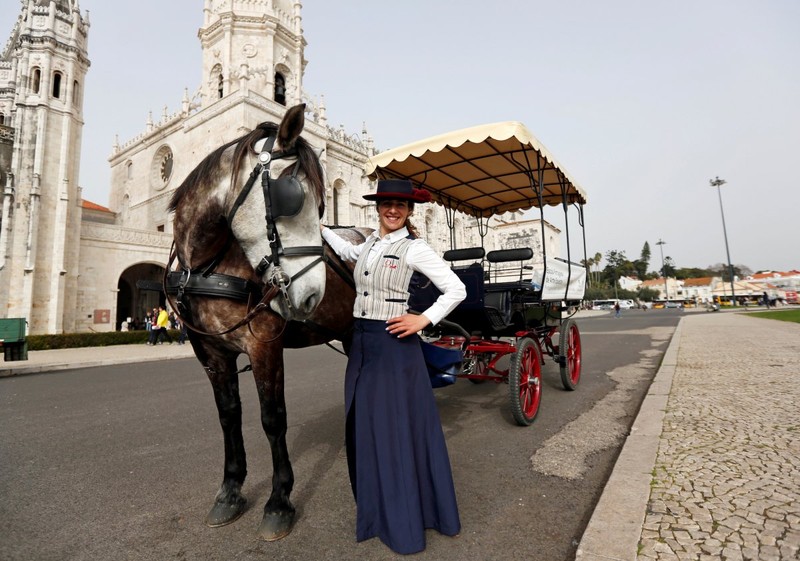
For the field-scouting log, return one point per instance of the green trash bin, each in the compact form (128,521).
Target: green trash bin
(12,339)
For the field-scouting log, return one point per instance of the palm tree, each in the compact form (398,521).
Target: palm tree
(587,264)
(597,258)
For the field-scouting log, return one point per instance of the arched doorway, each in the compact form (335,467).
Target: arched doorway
(139,289)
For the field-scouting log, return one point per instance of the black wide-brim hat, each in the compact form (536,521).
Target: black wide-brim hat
(401,189)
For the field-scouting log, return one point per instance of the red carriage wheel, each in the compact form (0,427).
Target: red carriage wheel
(569,347)
(525,381)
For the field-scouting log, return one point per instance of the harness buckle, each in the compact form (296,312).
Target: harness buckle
(263,266)
(280,279)
(182,282)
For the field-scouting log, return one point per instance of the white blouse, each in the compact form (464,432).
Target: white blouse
(420,257)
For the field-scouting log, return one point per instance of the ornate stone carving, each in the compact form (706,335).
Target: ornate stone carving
(129,236)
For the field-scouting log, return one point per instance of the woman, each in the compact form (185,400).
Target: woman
(396,452)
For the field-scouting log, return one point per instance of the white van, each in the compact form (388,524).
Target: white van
(609,304)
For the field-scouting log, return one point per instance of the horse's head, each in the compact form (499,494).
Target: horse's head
(275,217)
(273,214)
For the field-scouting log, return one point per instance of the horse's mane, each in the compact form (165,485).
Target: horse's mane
(306,159)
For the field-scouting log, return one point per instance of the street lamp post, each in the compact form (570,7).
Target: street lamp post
(660,243)
(717,182)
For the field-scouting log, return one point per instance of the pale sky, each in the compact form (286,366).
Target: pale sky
(641,102)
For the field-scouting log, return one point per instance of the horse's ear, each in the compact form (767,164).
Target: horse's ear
(291,126)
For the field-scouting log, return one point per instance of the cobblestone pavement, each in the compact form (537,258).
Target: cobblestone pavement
(726,483)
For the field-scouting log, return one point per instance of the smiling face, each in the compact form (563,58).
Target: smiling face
(392,214)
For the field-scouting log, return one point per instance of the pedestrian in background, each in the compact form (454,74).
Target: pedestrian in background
(152,322)
(163,326)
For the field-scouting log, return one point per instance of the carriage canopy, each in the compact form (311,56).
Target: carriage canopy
(482,171)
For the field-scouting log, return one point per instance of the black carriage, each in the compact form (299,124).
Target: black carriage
(520,302)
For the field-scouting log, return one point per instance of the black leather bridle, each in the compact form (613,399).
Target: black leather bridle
(283,198)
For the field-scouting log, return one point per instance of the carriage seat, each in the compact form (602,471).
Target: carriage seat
(424,293)
(501,294)
(471,275)
(507,255)
(512,276)
(469,312)
(465,254)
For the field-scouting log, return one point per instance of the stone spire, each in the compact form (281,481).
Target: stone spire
(252,45)
(48,65)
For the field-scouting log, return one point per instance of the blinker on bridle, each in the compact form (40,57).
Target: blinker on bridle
(283,198)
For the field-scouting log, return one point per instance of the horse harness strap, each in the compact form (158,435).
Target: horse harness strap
(213,284)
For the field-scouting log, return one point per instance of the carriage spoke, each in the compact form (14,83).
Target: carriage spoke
(525,376)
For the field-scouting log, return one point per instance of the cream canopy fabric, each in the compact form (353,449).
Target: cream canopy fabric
(481,171)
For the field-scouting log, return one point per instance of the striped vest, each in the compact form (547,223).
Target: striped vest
(382,287)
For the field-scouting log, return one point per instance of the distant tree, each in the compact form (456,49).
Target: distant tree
(693,273)
(643,262)
(597,258)
(587,264)
(647,294)
(669,267)
(615,259)
(617,265)
(641,269)
(598,294)
(722,270)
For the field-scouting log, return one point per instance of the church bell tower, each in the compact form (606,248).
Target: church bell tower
(42,75)
(254,45)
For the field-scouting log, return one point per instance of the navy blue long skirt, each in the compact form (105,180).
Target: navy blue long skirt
(396,452)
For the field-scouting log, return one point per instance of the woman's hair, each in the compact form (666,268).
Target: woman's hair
(411,228)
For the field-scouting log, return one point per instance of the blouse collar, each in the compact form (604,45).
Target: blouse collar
(392,236)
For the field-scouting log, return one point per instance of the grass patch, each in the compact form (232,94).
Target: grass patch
(782,315)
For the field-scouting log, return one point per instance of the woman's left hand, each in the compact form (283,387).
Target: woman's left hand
(406,325)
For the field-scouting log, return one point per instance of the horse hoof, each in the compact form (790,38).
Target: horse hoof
(223,513)
(275,525)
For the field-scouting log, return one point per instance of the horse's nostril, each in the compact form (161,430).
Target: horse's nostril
(311,303)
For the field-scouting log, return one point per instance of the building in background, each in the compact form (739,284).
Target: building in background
(42,71)
(75,265)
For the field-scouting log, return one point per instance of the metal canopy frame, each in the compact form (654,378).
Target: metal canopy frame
(484,171)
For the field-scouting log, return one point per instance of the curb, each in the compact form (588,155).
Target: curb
(615,528)
(67,363)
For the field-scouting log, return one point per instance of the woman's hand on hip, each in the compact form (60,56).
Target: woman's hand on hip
(406,325)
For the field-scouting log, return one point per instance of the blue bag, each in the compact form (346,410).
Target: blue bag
(443,363)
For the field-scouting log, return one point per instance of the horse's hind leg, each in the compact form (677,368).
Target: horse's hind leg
(229,503)
(279,511)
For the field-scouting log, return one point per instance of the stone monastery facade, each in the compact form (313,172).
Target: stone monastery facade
(70,265)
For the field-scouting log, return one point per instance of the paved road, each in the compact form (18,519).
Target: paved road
(122,462)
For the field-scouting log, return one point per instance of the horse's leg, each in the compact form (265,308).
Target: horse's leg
(278,512)
(229,503)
